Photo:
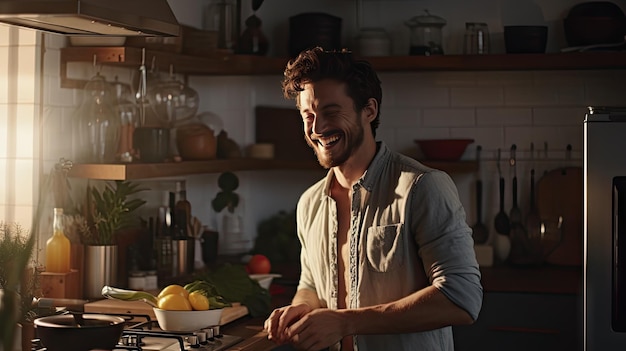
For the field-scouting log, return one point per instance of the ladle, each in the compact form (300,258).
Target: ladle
(501,222)
(480,233)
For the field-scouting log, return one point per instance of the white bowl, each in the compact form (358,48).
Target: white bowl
(187,321)
(265,280)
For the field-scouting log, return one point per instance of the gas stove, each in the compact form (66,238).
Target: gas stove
(143,334)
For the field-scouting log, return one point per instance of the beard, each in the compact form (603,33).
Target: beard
(351,142)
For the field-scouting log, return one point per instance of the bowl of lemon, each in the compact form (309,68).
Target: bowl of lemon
(177,308)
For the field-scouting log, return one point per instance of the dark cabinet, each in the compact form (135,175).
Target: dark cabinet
(524,321)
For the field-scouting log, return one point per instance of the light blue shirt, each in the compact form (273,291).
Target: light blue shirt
(407,231)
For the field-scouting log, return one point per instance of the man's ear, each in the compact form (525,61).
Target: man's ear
(370,110)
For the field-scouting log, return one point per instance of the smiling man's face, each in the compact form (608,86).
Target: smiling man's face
(331,126)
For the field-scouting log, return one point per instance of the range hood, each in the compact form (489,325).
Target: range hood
(92,17)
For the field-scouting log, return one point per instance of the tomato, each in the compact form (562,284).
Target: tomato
(259,264)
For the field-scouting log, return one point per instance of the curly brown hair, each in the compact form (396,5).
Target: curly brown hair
(317,64)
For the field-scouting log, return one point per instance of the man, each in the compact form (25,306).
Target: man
(387,257)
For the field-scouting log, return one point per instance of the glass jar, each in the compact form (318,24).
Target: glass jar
(476,38)
(426,37)
(374,42)
(97,126)
(222,16)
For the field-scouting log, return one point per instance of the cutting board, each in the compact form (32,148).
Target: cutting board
(283,128)
(560,193)
(137,307)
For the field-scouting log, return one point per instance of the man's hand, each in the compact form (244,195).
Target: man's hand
(281,318)
(318,329)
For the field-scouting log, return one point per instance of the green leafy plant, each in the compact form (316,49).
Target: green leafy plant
(108,211)
(15,246)
(227,198)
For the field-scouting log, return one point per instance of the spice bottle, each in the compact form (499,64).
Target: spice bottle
(58,247)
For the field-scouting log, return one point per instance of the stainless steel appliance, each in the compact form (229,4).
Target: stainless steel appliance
(605,229)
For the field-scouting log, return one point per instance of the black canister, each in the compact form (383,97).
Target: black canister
(311,29)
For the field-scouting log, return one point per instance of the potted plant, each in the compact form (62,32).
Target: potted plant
(104,214)
(18,284)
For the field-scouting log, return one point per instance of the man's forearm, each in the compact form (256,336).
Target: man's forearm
(426,309)
(308,297)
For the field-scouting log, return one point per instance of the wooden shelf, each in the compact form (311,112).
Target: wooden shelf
(229,64)
(128,171)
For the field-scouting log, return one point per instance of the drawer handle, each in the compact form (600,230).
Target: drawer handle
(526,330)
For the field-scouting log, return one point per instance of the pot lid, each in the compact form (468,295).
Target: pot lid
(426,20)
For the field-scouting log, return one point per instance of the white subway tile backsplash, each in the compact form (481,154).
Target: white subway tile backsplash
(502,78)
(449,117)
(477,96)
(400,117)
(558,116)
(530,95)
(501,116)
(24,127)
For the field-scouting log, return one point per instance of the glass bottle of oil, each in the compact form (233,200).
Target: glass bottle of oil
(58,247)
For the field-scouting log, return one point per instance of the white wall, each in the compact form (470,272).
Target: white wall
(497,109)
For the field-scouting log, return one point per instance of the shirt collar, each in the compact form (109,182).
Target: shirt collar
(372,173)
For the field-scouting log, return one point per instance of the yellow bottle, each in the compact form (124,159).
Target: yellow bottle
(58,247)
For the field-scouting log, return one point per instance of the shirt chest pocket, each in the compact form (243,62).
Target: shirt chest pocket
(385,247)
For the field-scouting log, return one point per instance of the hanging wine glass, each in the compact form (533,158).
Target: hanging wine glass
(97,127)
(172,101)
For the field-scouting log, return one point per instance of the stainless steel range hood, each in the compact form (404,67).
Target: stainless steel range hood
(92,17)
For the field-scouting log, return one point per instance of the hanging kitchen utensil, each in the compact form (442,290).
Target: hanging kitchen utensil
(560,193)
(515,215)
(480,232)
(519,239)
(501,222)
(532,219)
(502,242)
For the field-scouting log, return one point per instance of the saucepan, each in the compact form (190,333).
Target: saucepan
(82,331)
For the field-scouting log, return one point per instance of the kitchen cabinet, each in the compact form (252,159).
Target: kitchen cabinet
(524,321)
(527,308)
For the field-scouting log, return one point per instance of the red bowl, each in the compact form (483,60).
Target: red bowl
(443,149)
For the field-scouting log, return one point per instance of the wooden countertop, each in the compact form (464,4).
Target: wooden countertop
(549,279)
(546,279)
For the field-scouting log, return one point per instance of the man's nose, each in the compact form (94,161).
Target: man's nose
(318,124)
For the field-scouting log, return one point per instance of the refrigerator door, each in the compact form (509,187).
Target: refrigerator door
(604,216)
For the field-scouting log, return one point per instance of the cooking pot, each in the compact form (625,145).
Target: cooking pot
(83,331)
(595,22)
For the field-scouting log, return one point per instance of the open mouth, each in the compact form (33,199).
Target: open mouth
(328,141)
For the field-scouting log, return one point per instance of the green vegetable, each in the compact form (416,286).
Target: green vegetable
(234,285)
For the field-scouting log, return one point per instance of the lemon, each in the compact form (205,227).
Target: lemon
(198,301)
(174,302)
(174,289)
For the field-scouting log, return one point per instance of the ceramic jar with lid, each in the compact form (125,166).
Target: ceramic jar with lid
(426,36)
(373,42)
